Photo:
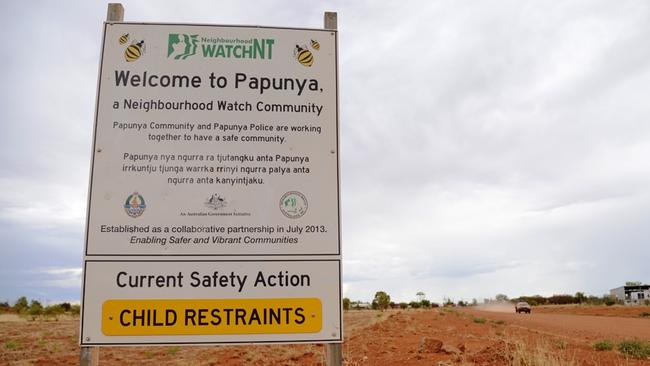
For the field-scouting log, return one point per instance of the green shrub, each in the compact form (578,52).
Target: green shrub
(634,348)
(11,345)
(35,309)
(21,305)
(603,345)
(448,303)
(75,309)
(381,301)
(480,320)
(53,311)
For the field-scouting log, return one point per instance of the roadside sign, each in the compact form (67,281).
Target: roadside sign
(211,301)
(215,140)
(215,151)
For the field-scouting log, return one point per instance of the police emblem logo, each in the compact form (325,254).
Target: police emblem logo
(134,205)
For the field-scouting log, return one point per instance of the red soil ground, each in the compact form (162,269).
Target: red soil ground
(616,310)
(373,338)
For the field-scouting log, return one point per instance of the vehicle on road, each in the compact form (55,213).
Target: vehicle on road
(522,307)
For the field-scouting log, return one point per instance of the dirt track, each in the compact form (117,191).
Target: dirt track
(576,326)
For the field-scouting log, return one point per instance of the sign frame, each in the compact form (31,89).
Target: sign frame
(89,343)
(215,258)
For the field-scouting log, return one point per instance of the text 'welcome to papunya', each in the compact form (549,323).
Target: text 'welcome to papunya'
(260,84)
(131,317)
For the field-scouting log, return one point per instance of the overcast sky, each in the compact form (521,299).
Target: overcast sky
(486,146)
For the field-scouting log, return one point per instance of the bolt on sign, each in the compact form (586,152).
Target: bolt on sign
(213,214)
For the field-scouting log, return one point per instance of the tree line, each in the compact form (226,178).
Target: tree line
(382,301)
(34,309)
(566,299)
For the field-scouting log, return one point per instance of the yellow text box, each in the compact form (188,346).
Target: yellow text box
(211,316)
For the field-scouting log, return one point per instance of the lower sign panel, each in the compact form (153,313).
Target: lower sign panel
(211,302)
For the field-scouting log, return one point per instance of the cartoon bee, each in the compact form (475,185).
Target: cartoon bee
(124,38)
(315,45)
(304,56)
(134,51)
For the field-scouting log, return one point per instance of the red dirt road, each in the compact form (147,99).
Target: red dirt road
(620,311)
(576,326)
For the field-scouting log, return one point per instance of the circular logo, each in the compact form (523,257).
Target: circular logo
(293,205)
(134,205)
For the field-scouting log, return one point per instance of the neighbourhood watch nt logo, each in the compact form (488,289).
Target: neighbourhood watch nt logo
(182,46)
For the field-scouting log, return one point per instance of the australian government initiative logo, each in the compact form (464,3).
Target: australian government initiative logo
(182,46)
(215,204)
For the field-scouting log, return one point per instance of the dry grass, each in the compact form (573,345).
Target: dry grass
(285,355)
(540,355)
(356,320)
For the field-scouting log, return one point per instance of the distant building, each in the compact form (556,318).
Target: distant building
(631,295)
(360,305)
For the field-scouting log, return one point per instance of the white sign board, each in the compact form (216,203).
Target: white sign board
(214,143)
(193,302)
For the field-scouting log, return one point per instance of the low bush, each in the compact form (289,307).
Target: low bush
(610,302)
(603,345)
(634,348)
(12,345)
(75,309)
(53,311)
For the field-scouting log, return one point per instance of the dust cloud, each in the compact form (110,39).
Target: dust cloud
(497,307)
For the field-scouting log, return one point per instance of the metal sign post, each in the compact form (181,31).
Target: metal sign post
(89,356)
(333,351)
